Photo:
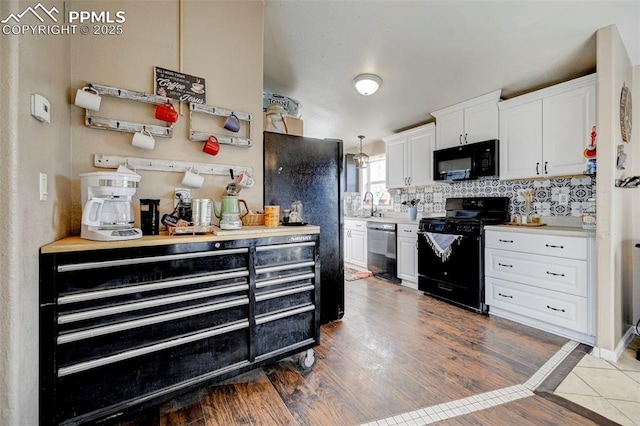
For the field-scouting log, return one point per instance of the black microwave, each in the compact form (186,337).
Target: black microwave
(467,162)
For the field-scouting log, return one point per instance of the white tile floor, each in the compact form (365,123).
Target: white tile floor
(610,389)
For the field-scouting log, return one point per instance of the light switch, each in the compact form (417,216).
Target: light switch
(44,190)
(41,108)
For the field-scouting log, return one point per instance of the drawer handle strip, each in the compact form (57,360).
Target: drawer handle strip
(285,246)
(101,294)
(505,241)
(505,295)
(88,365)
(284,267)
(292,278)
(128,307)
(288,292)
(555,274)
(555,309)
(304,343)
(141,260)
(505,265)
(129,325)
(553,246)
(284,314)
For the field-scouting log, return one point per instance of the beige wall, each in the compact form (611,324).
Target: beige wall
(28,64)
(614,204)
(222,43)
(632,295)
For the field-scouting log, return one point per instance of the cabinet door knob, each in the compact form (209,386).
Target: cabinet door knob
(460,139)
(537,168)
(465,138)
(545,167)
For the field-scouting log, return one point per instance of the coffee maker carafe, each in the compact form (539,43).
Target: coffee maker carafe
(107,212)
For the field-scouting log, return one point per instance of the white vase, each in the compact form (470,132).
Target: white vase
(413,213)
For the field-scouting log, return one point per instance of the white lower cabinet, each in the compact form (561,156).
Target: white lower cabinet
(542,279)
(355,242)
(407,254)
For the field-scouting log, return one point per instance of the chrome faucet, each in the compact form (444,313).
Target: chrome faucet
(365,199)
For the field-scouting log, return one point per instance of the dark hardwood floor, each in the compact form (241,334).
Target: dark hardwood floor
(395,351)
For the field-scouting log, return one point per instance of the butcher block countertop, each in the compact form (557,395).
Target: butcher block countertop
(75,243)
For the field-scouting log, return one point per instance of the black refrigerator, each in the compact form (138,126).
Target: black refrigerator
(311,170)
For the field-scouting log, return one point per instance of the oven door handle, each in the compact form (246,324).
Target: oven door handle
(445,287)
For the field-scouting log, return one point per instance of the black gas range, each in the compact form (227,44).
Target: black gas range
(451,250)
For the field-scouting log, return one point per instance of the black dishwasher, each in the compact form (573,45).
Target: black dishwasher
(381,250)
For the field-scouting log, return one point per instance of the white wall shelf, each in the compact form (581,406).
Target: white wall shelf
(107,161)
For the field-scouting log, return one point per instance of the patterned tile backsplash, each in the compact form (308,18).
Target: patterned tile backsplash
(545,201)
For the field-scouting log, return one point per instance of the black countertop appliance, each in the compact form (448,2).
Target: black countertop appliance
(311,170)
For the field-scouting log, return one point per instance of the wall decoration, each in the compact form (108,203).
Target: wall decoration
(179,86)
(625,113)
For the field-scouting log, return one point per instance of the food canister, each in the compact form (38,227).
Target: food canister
(271,216)
(201,211)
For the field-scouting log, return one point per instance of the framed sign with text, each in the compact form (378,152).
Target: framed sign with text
(179,86)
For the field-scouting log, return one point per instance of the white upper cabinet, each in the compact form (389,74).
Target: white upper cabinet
(410,157)
(544,133)
(475,120)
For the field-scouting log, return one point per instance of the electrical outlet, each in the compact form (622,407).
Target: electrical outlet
(180,194)
(563,199)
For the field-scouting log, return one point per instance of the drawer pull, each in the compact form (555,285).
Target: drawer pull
(146,304)
(507,296)
(555,309)
(142,260)
(121,291)
(267,296)
(285,246)
(407,230)
(552,246)
(445,287)
(264,270)
(283,314)
(555,274)
(267,283)
(505,241)
(143,322)
(123,356)
(505,265)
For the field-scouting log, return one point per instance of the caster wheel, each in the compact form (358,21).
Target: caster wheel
(307,359)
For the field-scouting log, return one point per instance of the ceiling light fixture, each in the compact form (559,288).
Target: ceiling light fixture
(361,159)
(367,84)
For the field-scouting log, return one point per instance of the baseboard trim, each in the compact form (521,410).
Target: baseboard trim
(615,355)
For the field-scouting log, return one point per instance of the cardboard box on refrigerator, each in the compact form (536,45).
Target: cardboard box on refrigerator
(290,126)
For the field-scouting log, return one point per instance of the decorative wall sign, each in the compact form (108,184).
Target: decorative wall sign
(179,86)
(625,113)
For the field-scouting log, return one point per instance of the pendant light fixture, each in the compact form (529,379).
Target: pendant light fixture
(367,84)
(361,159)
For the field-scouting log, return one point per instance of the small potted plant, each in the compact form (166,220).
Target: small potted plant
(412,208)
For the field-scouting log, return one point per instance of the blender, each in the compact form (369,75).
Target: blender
(107,212)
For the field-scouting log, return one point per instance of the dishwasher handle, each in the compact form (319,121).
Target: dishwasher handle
(381,226)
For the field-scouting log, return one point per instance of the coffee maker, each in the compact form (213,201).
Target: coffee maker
(107,212)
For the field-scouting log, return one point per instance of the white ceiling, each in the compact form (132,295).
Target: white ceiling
(430,54)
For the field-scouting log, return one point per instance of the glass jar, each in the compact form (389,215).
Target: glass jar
(589,214)
(296,212)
